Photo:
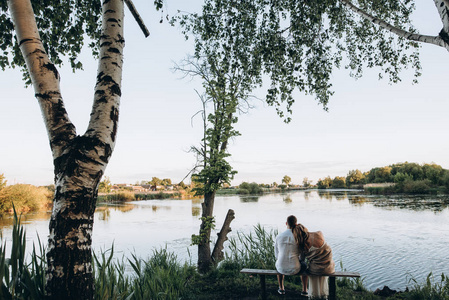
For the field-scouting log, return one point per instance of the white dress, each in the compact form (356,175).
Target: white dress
(287,254)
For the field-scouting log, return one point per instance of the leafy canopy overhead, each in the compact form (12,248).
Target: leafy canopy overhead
(64,28)
(297,44)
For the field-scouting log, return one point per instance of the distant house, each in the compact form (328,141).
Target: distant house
(138,188)
(157,188)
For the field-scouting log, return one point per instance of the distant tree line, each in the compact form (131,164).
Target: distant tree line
(405,178)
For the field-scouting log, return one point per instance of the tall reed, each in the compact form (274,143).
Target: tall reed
(431,289)
(19,279)
(252,250)
(161,277)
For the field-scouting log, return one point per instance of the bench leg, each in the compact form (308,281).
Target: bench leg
(332,289)
(263,287)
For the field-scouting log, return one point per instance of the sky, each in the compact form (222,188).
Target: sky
(370,123)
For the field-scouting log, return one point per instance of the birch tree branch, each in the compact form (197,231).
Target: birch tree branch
(44,76)
(435,40)
(103,122)
(137,17)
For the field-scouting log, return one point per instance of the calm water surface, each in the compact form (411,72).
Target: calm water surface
(389,240)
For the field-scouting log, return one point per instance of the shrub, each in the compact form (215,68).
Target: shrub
(25,197)
(250,188)
(417,187)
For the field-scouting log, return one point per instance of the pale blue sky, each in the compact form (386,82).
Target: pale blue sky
(370,123)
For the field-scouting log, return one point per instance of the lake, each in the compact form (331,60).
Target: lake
(388,239)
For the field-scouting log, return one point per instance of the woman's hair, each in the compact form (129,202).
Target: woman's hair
(291,221)
(301,235)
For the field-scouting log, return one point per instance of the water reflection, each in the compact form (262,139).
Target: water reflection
(341,196)
(357,200)
(416,203)
(6,220)
(435,203)
(287,199)
(249,199)
(307,195)
(196,211)
(325,194)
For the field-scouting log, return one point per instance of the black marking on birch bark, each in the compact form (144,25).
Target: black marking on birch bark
(115,89)
(48,95)
(105,44)
(107,153)
(99,92)
(113,50)
(80,147)
(106,80)
(24,41)
(105,57)
(45,96)
(38,51)
(114,118)
(51,67)
(444,36)
(120,39)
(61,136)
(103,99)
(113,20)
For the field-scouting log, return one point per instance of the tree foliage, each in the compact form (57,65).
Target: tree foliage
(306,182)
(105,185)
(407,177)
(64,27)
(355,177)
(298,44)
(286,179)
(3,181)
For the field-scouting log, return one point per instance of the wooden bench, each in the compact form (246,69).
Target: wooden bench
(332,286)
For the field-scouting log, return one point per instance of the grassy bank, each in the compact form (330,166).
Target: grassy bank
(163,276)
(26,197)
(124,196)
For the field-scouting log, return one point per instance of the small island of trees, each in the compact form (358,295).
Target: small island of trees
(409,178)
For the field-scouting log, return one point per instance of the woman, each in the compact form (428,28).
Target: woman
(287,253)
(314,248)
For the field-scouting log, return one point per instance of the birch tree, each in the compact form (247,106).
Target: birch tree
(300,43)
(79,160)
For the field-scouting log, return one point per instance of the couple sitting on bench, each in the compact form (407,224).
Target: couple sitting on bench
(293,247)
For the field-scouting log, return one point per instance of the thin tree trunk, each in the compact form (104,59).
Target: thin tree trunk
(79,161)
(217,253)
(205,262)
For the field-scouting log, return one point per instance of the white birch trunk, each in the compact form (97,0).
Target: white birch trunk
(443,10)
(79,161)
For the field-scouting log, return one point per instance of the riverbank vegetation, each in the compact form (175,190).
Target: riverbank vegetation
(25,197)
(409,178)
(163,276)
